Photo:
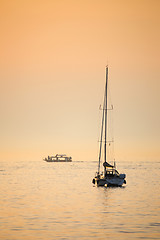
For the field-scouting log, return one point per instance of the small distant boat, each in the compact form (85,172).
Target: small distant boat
(110,176)
(58,158)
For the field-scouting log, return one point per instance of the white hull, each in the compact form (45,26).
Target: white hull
(58,158)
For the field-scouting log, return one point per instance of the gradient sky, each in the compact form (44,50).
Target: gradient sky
(52,76)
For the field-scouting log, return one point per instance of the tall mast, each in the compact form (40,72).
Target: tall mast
(101,136)
(105,136)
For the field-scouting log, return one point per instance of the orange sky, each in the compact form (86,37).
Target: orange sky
(52,74)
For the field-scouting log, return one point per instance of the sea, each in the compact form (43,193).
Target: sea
(47,201)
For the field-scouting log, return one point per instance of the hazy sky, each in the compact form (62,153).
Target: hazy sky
(52,76)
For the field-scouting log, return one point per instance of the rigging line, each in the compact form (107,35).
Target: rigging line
(106,108)
(111,141)
(100,149)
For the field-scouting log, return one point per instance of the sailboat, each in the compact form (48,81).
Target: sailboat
(110,177)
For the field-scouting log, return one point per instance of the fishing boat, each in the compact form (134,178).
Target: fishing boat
(58,158)
(109,176)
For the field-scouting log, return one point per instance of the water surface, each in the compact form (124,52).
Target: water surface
(41,200)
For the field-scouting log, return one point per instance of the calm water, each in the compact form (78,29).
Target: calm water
(42,200)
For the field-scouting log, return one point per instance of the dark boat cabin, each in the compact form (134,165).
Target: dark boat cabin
(111,173)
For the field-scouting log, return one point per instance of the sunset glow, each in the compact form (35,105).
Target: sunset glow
(52,75)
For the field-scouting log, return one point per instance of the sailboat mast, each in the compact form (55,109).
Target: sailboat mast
(105,136)
(101,136)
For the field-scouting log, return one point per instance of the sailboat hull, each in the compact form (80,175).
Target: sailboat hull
(117,182)
(110,182)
